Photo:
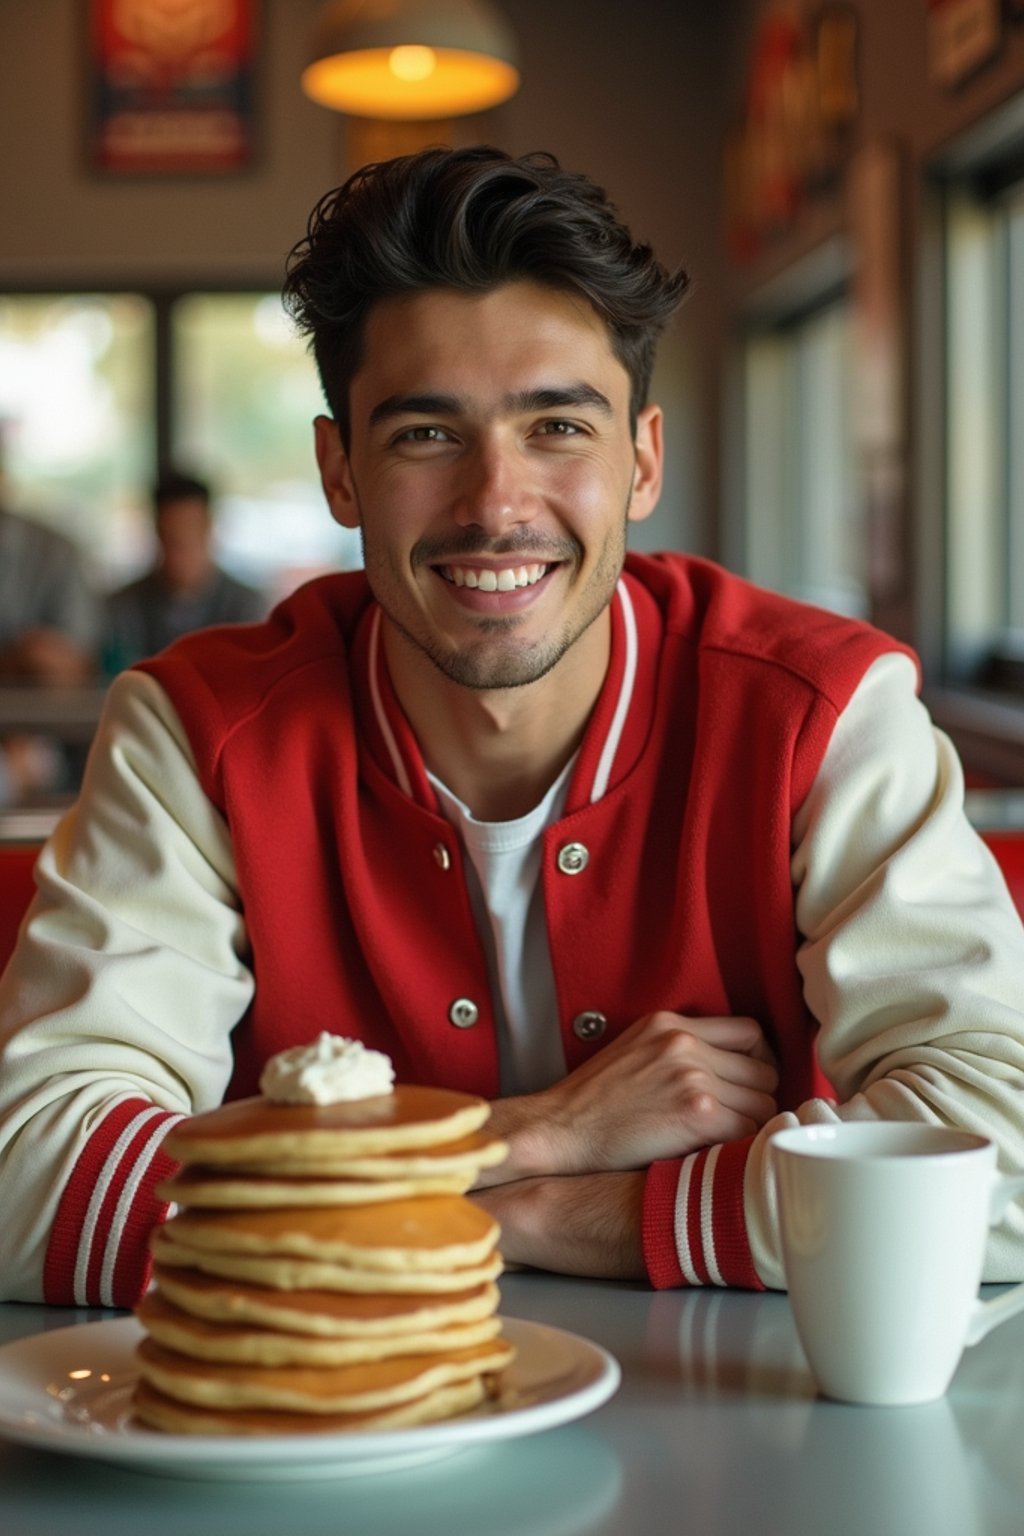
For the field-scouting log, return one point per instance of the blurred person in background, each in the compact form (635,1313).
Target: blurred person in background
(186,588)
(50,625)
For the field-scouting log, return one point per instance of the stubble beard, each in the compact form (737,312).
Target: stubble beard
(488,664)
(485,668)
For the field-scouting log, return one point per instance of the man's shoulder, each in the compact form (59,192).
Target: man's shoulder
(221,678)
(727,618)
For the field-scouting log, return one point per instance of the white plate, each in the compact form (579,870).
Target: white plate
(69,1390)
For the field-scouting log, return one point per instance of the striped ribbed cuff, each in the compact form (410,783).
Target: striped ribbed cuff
(694,1230)
(98,1254)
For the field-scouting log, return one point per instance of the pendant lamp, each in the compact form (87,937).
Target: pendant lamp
(411,59)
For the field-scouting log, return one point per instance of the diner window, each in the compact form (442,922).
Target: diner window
(803,531)
(89,381)
(245,395)
(77,419)
(984,470)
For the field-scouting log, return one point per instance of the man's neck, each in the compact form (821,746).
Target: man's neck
(500,751)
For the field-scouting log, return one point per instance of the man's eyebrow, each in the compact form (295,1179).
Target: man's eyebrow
(415,405)
(545,398)
(555,396)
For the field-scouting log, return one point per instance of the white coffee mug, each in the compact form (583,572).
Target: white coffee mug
(883,1239)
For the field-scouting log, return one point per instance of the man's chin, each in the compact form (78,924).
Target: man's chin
(488,673)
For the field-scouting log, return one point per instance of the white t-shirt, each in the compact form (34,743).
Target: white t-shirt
(503,874)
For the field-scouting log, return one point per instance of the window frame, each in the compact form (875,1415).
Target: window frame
(163,298)
(981,710)
(810,288)
(983,471)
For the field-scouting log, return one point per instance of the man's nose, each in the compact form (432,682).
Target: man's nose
(495,491)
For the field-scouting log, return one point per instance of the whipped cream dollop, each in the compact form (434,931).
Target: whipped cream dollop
(329,1070)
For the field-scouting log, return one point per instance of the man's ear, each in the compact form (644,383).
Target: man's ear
(647,472)
(335,472)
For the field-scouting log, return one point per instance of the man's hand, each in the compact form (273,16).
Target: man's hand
(667,1086)
(588,1225)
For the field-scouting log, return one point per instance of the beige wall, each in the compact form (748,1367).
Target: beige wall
(638,94)
(63,223)
(624,91)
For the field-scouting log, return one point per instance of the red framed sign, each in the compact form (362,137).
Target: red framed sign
(962,36)
(171,85)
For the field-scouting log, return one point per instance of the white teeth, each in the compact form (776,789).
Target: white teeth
(488,580)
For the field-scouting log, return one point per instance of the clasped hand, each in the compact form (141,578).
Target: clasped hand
(666,1086)
(569,1195)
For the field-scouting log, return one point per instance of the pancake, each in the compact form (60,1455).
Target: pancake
(254,1131)
(359,1388)
(436,1232)
(246,1344)
(323,1268)
(229,1190)
(323,1314)
(176,1418)
(289,1274)
(466,1156)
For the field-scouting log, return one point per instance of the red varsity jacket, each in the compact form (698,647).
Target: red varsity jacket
(718,707)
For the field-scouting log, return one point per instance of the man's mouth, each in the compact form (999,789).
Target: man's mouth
(508,578)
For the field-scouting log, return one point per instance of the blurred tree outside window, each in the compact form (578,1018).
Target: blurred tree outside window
(78,424)
(245,395)
(77,420)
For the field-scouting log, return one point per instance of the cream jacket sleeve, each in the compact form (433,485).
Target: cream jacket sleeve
(913,952)
(116,1009)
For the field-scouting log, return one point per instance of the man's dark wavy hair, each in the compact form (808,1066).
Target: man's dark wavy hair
(471,220)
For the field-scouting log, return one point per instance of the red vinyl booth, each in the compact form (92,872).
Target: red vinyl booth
(16,891)
(1008,848)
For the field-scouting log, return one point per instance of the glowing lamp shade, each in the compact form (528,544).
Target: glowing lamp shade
(411,59)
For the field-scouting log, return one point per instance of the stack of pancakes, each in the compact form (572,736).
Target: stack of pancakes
(324,1271)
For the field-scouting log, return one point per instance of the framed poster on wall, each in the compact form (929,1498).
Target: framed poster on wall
(171,86)
(962,35)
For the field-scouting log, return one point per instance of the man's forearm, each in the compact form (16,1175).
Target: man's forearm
(587,1225)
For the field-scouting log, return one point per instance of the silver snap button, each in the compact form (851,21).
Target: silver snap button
(463,1013)
(573,858)
(590,1025)
(442,858)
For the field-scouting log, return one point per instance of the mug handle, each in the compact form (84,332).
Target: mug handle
(988,1314)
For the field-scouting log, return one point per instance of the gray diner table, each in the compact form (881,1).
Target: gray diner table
(716,1429)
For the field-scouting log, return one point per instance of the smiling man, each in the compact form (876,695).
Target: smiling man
(656,861)
(492,465)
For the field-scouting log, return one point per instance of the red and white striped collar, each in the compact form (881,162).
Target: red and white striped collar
(609,746)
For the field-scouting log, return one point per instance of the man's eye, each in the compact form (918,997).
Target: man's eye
(559,429)
(423,435)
